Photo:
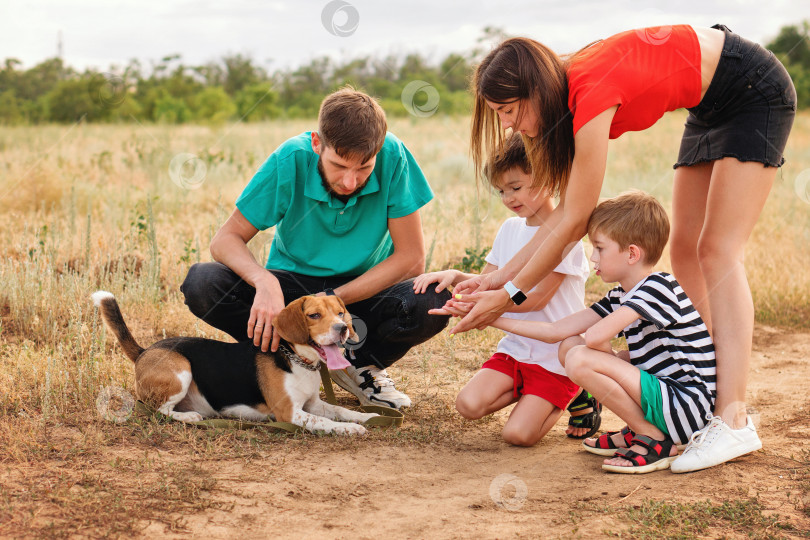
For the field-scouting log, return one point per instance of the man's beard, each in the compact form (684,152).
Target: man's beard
(339,196)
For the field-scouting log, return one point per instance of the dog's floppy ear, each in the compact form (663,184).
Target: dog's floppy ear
(291,323)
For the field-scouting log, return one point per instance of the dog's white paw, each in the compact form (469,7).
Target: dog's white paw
(349,429)
(187,416)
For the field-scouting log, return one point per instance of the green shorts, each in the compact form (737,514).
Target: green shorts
(652,402)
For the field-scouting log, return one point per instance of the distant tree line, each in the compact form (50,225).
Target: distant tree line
(236,87)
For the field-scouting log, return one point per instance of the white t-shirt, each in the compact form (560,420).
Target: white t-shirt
(569,298)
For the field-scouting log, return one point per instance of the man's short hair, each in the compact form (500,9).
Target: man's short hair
(510,156)
(352,124)
(634,217)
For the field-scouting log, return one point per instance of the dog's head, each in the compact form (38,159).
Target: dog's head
(316,326)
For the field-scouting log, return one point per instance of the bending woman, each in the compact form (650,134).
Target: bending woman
(741,105)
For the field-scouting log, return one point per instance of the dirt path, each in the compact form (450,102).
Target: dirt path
(371,489)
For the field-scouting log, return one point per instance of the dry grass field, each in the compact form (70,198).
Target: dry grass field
(95,206)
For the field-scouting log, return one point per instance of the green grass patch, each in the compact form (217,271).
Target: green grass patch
(743,517)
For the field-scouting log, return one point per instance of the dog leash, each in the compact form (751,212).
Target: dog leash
(388,416)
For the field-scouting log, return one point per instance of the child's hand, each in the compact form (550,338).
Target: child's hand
(468,286)
(444,278)
(485,282)
(453,307)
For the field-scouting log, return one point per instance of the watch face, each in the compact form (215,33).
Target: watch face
(514,293)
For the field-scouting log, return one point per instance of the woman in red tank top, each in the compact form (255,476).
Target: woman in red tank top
(741,106)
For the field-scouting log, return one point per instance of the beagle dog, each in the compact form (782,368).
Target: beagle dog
(194,378)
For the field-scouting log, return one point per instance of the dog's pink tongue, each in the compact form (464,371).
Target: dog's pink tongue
(334,358)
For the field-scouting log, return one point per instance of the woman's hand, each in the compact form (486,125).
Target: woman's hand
(444,279)
(489,305)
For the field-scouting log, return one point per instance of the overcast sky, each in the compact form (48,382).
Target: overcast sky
(286,33)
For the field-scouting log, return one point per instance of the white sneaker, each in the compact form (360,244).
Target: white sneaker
(716,443)
(371,385)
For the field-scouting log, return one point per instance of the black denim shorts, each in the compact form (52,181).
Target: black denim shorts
(747,111)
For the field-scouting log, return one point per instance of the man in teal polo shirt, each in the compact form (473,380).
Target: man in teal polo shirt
(344,201)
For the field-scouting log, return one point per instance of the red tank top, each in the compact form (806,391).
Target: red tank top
(646,72)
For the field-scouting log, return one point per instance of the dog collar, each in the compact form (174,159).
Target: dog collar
(294,358)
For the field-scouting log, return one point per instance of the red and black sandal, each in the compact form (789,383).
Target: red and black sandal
(657,457)
(604,444)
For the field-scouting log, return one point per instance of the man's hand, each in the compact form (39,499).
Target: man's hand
(266,305)
(229,247)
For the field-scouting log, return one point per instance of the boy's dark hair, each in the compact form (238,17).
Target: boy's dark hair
(352,123)
(511,155)
(634,217)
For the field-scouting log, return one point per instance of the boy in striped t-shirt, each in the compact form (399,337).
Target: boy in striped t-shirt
(665,387)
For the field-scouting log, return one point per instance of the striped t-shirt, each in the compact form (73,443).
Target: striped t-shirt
(671,342)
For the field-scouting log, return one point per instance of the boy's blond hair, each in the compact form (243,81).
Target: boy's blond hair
(634,217)
(352,123)
(510,156)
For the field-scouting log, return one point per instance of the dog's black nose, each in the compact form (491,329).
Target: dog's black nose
(342,330)
(339,327)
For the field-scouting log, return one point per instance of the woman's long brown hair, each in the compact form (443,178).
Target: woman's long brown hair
(521,68)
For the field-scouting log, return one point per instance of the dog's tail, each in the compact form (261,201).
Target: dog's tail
(115,321)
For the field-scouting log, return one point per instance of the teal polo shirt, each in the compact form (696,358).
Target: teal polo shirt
(317,234)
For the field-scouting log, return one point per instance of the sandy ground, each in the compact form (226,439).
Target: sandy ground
(437,477)
(552,490)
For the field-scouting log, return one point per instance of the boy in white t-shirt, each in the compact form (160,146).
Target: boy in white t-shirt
(522,369)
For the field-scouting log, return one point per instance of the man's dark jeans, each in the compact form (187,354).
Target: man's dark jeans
(388,324)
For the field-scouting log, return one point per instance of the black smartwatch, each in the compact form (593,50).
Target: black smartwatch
(514,293)
(329,292)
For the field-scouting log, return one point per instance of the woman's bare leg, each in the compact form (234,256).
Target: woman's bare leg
(737,195)
(689,196)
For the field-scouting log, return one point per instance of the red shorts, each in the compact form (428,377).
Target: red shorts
(535,380)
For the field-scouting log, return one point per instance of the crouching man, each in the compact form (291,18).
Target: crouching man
(345,203)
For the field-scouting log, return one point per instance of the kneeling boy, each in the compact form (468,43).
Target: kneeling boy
(667,388)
